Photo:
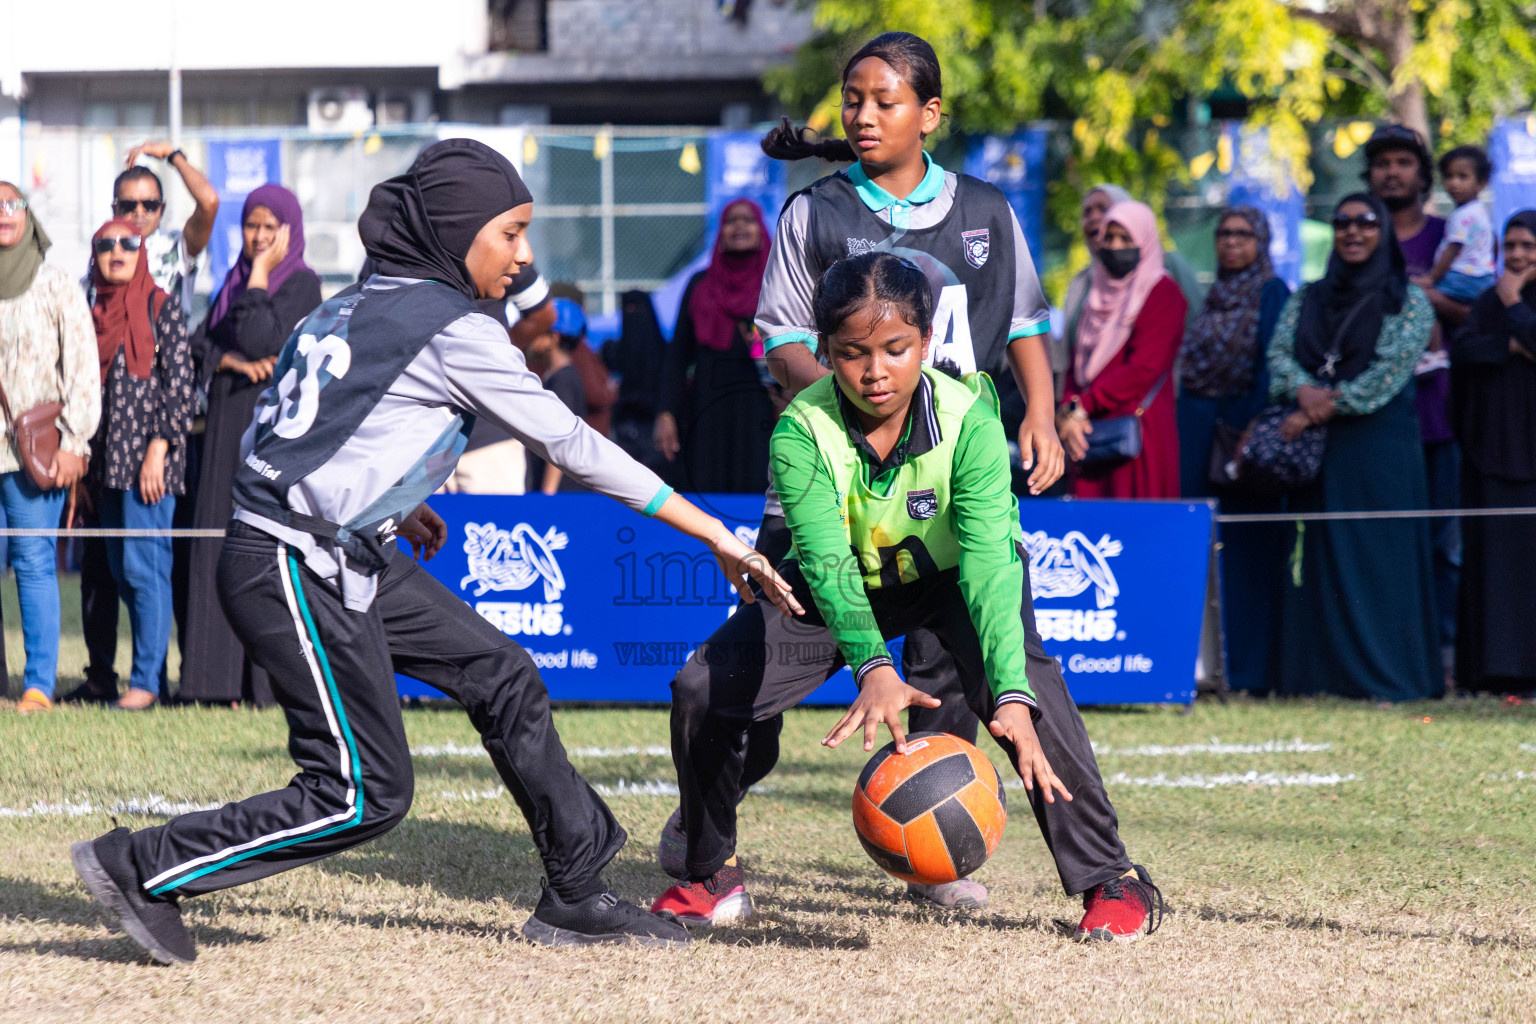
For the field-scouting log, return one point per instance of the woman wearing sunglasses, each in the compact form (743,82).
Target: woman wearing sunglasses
(1357,613)
(45,356)
(139,455)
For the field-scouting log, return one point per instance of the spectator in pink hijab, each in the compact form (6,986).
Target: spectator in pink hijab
(1127,339)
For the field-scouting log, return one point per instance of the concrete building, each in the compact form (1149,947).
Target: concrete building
(345,65)
(354,87)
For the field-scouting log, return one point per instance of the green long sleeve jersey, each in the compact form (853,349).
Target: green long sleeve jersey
(939,501)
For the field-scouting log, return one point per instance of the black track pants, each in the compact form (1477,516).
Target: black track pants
(924,664)
(332,672)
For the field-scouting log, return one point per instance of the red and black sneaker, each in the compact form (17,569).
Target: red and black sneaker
(1117,910)
(715,900)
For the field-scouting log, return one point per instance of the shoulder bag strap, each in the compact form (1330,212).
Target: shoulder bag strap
(1336,344)
(1147,402)
(5,404)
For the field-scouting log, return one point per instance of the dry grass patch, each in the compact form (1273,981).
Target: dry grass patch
(1375,870)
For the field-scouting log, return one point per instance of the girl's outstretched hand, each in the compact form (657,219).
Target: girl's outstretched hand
(882,699)
(737,561)
(425,531)
(1012,722)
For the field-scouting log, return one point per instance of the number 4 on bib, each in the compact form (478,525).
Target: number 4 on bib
(952,330)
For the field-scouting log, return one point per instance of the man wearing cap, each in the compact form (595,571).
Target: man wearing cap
(1400,171)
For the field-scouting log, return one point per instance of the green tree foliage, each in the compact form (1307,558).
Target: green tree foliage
(1122,71)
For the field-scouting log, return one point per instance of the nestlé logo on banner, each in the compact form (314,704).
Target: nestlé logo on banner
(514,560)
(1066,568)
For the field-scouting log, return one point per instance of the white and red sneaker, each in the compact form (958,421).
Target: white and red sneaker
(1117,910)
(715,900)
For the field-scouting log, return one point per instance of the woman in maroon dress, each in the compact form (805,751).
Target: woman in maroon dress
(1127,340)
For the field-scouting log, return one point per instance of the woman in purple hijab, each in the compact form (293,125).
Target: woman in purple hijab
(264,296)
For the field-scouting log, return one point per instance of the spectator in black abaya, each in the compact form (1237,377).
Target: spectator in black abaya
(265,295)
(715,411)
(1357,614)
(1493,403)
(636,358)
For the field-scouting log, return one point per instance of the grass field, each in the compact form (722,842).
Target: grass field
(1322,862)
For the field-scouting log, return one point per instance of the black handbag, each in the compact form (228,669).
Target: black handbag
(1268,463)
(1272,464)
(1119,438)
(1221,469)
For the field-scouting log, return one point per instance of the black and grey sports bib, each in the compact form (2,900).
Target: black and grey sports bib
(333,370)
(968,258)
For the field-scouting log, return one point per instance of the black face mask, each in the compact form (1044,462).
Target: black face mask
(1120,262)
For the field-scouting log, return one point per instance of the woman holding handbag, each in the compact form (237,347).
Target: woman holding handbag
(1117,419)
(1357,613)
(51,400)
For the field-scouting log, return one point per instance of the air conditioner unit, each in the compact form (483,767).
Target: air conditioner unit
(333,248)
(403,106)
(341,110)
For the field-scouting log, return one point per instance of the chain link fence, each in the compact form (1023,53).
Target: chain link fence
(618,208)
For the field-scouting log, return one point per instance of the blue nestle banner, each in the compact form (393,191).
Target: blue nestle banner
(610,604)
(236,168)
(1512,150)
(1119,592)
(1016,164)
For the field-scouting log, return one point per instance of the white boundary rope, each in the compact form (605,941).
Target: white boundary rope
(1418,513)
(1249,517)
(95,531)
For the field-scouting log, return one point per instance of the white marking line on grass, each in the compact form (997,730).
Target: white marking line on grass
(451,749)
(154,804)
(1504,776)
(1215,746)
(1198,781)
(1529,748)
(623,787)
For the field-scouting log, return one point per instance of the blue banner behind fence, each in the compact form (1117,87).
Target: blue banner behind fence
(1016,164)
(1512,149)
(610,604)
(1259,180)
(236,168)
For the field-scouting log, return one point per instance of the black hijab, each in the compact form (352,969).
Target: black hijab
(1493,392)
(1524,219)
(1356,298)
(421,223)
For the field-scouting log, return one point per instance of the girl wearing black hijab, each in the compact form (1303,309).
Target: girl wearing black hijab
(1493,409)
(371,406)
(1357,615)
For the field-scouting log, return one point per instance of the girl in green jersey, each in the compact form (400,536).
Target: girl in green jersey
(895,484)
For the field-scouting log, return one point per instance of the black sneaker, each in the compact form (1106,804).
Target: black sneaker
(107,870)
(97,690)
(600,918)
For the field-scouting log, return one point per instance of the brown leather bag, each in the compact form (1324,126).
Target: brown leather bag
(37,438)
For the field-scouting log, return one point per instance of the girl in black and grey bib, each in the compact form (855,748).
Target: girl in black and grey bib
(373,397)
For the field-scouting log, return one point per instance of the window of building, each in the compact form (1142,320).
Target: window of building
(519,25)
